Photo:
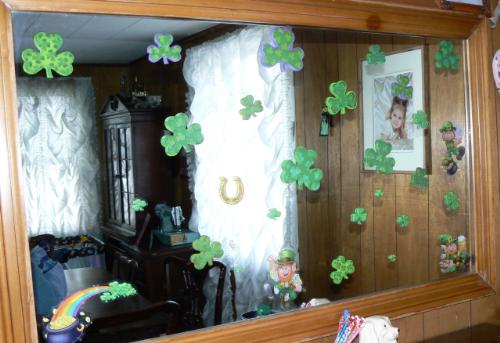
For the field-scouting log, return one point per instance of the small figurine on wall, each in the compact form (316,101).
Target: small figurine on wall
(452,138)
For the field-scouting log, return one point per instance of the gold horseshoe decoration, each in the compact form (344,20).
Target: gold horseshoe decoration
(240,190)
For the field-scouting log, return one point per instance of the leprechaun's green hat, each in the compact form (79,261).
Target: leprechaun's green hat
(447,126)
(286,256)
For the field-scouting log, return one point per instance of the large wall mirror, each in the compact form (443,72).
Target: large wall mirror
(328,164)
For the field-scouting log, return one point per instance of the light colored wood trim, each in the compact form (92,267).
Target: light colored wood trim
(344,14)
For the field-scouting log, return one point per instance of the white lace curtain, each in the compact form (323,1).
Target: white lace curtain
(219,74)
(60,164)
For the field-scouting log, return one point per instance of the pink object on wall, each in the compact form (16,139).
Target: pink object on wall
(496,69)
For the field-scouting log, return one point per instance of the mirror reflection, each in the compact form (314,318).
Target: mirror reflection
(221,172)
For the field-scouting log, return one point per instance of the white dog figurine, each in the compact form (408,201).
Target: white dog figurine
(378,329)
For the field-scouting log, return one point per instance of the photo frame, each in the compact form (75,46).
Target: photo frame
(474,6)
(387,114)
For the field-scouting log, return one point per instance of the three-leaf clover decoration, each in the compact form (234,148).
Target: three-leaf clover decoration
(341,100)
(420,119)
(378,157)
(401,89)
(118,290)
(47,58)
(281,51)
(301,171)
(162,49)
(359,216)
(375,55)
(343,269)
(378,193)
(450,200)
(273,213)
(251,107)
(392,257)
(182,136)
(445,58)
(207,252)
(139,204)
(403,220)
(420,178)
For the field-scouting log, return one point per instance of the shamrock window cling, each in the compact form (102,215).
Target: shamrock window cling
(281,51)
(342,100)
(207,252)
(300,171)
(47,58)
(163,50)
(341,269)
(181,135)
(251,107)
(378,157)
(445,58)
(375,55)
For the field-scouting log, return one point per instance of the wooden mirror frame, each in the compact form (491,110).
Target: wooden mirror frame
(17,315)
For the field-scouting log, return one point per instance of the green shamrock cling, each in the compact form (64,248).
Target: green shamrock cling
(392,257)
(378,193)
(359,216)
(403,220)
(301,171)
(420,119)
(281,51)
(341,99)
(420,178)
(182,136)
(47,58)
(445,58)
(273,213)
(450,200)
(118,290)
(138,204)
(162,49)
(378,157)
(207,252)
(343,269)
(251,107)
(375,55)
(401,89)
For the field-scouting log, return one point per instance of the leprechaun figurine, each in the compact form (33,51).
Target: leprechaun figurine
(283,271)
(448,133)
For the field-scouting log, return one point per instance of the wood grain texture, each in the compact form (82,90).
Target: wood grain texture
(447,320)
(411,328)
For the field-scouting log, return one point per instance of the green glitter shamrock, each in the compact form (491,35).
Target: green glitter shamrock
(392,257)
(420,119)
(403,220)
(138,204)
(341,99)
(281,51)
(420,178)
(264,310)
(343,269)
(251,107)
(359,216)
(273,213)
(401,88)
(47,58)
(375,55)
(450,200)
(446,58)
(378,193)
(162,49)
(378,157)
(300,171)
(118,290)
(181,137)
(208,251)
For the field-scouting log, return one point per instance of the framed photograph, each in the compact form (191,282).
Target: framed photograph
(475,6)
(392,92)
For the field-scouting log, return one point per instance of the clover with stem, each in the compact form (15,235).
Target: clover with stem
(445,58)
(300,171)
(379,193)
(341,100)
(281,51)
(392,257)
(47,58)
(139,204)
(401,89)
(118,290)
(378,157)
(207,252)
(182,136)
(450,200)
(341,269)
(375,55)
(359,216)
(403,220)
(250,107)
(273,213)
(420,179)
(163,50)
(420,119)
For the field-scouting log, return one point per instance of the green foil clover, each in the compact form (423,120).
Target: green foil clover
(378,157)
(359,216)
(403,220)
(450,200)
(341,100)
(163,50)
(392,257)
(401,89)
(301,171)
(419,179)
(251,107)
(139,204)
(273,213)
(182,136)
(420,119)
(379,193)
(47,58)
(207,252)
(445,58)
(375,55)
(342,268)
(281,51)
(118,290)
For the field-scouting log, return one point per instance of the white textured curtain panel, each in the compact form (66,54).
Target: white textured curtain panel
(60,163)
(220,73)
